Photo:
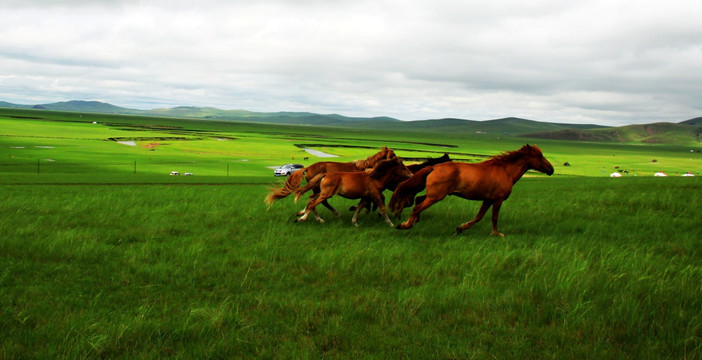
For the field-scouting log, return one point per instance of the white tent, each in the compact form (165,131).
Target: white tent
(660,173)
(615,174)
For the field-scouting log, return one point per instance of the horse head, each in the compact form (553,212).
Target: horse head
(391,171)
(537,161)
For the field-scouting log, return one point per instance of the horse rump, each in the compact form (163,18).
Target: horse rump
(314,182)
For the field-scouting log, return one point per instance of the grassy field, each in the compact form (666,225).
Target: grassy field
(97,261)
(58,143)
(590,268)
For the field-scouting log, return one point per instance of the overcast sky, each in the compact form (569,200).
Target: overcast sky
(607,62)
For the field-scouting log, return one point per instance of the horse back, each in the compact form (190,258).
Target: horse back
(328,167)
(349,184)
(471,181)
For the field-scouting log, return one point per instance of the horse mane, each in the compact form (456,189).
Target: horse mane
(433,161)
(383,167)
(429,162)
(512,156)
(373,159)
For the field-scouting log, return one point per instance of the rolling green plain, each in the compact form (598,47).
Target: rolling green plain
(104,255)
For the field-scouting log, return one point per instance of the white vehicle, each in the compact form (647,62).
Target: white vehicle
(287,169)
(175,173)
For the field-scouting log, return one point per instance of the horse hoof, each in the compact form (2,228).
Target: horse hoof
(499,234)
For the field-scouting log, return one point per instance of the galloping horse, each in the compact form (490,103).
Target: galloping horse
(294,180)
(490,181)
(365,185)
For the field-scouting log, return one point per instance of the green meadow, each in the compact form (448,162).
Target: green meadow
(105,255)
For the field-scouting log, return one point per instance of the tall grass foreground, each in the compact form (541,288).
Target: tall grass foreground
(590,268)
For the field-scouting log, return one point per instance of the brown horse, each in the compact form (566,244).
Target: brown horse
(294,180)
(490,181)
(366,185)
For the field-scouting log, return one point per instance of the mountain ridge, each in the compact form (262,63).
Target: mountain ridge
(687,131)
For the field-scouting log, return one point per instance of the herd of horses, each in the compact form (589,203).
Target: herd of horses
(490,181)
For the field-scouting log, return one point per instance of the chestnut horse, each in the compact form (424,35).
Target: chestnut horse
(366,185)
(294,180)
(490,181)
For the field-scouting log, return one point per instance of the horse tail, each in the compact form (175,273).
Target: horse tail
(406,190)
(292,183)
(314,182)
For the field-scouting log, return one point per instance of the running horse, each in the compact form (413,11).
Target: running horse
(366,185)
(322,167)
(490,181)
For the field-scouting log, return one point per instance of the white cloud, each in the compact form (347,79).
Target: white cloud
(592,61)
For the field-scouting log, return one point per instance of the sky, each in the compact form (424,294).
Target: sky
(607,62)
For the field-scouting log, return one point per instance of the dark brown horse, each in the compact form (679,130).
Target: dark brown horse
(294,180)
(366,185)
(490,181)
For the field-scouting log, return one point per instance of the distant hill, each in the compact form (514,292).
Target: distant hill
(14,106)
(695,121)
(85,106)
(505,126)
(685,132)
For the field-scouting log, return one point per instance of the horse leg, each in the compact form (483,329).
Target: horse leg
(311,207)
(316,216)
(380,201)
(417,200)
(315,195)
(414,217)
(359,207)
(495,211)
(331,208)
(483,209)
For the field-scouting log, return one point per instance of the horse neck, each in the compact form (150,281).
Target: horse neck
(391,178)
(515,170)
(383,180)
(370,161)
(365,164)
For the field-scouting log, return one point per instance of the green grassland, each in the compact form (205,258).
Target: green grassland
(62,142)
(98,260)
